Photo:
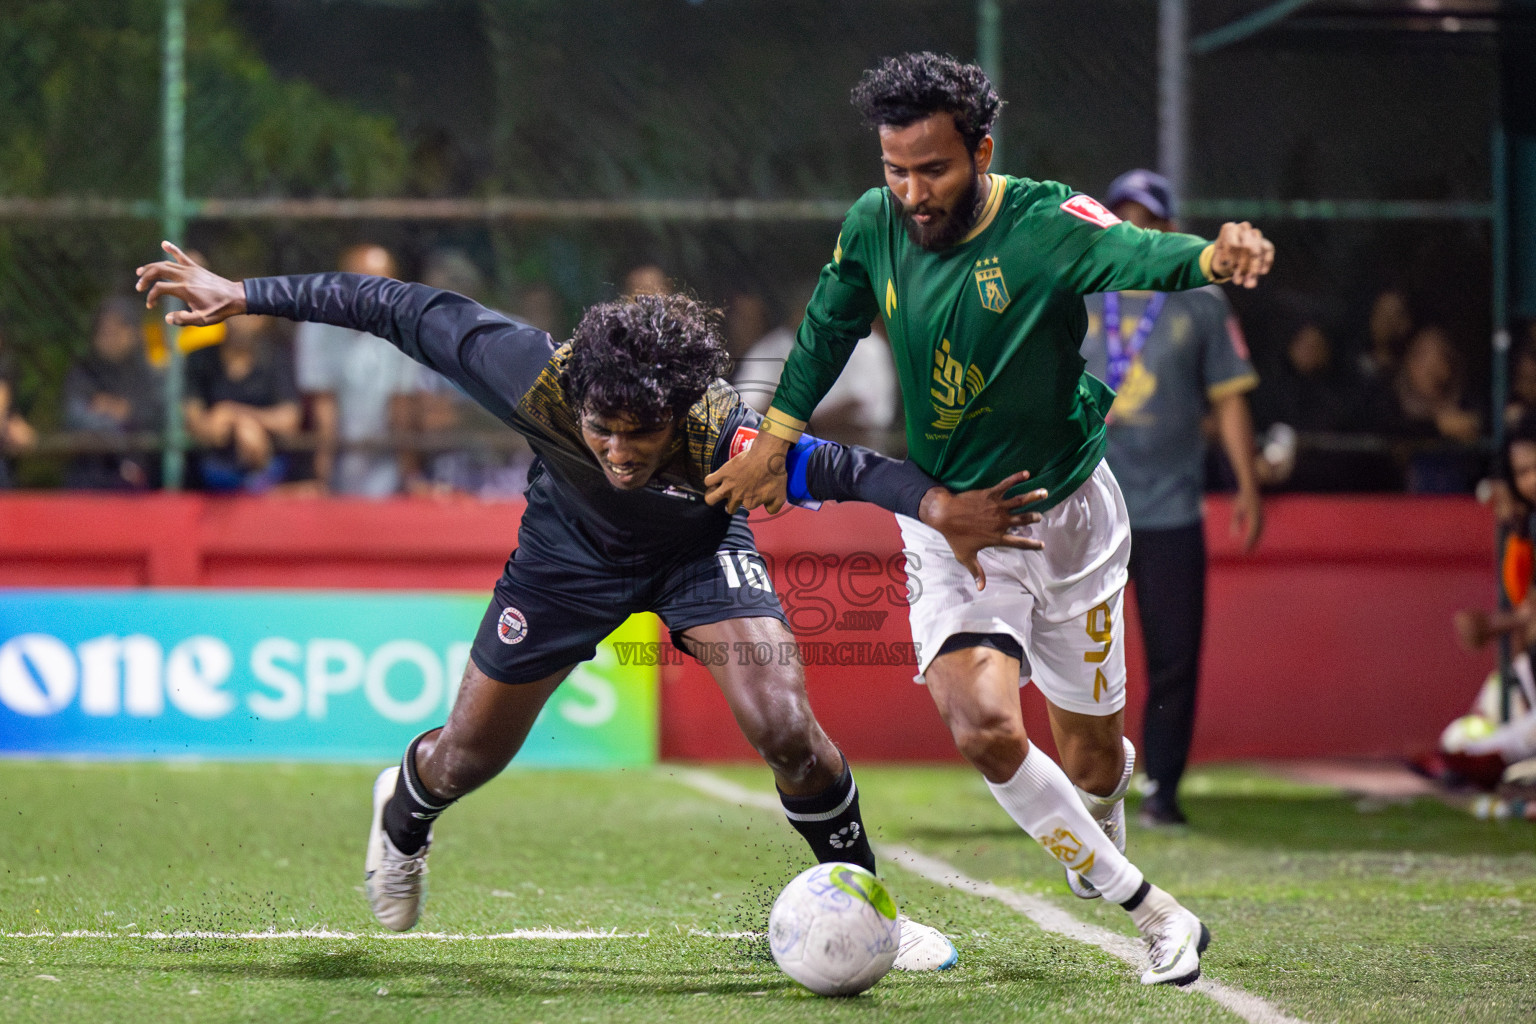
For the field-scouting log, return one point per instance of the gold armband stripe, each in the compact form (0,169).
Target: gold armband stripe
(784,426)
(1207,257)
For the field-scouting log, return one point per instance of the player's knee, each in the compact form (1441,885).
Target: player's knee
(991,744)
(1094,765)
(787,747)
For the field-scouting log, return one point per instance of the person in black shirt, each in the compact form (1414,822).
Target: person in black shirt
(626,420)
(240,400)
(114,390)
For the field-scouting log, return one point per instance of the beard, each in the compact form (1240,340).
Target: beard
(949,225)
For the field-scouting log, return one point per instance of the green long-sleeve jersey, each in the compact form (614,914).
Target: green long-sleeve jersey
(986,333)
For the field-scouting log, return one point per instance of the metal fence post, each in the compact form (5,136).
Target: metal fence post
(989,54)
(173,221)
(1173,93)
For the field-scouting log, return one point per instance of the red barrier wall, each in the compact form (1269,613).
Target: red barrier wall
(1333,639)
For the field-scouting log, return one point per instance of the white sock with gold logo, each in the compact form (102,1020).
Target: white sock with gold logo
(1044,802)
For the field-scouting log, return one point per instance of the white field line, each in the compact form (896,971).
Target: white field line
(524,934)
(1043,913)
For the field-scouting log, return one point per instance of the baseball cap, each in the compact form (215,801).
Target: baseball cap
(1148,188)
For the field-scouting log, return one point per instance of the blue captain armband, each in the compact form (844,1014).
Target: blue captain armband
(797,462)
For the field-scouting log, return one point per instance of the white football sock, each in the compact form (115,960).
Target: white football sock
(1102,807)
(1045,804)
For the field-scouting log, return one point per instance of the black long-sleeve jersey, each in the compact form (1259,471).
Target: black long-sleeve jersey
(514,371)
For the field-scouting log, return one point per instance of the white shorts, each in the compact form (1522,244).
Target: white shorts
(1063,604)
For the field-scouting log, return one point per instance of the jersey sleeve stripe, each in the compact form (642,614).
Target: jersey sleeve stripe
(1235,386)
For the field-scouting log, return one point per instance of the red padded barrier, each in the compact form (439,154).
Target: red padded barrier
(1333,639)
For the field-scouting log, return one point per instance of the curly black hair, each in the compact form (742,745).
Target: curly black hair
(911,87)
(649,357)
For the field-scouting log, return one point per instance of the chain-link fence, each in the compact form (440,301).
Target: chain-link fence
(558,145)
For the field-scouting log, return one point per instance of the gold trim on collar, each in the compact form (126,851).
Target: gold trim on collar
(989,211)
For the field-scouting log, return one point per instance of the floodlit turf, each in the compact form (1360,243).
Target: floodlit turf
(1406,912)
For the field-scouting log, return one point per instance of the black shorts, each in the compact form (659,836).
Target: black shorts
(552,610)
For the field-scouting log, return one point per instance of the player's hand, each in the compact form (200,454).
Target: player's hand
(1473,629)
(980,519)
(1242,254)
(210,299)
(755,477)
(1248,518)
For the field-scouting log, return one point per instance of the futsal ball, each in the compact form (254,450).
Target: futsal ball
(1483,770)
(834,929)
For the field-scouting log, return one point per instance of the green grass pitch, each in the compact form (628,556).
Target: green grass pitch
(1328,910)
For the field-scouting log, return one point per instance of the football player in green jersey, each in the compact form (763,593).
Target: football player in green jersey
(980,279)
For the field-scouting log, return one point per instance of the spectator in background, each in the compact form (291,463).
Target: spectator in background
(646,279)
(1522,380)
(1387,332)
(539,306)
(360,388)
(1310,389)
(1169,357)
(114,390)
(861,402)
(16,434)
(1428,403)
(441,409)
(746,321)
(1429,390)
(240,402)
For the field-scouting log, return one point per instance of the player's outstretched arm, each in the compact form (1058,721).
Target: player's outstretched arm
(978,519)
(819,470)
(210,299)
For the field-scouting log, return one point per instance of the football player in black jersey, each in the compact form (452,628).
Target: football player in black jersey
(627,418)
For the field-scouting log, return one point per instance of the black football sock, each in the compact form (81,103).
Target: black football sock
(409,815)
(831,823)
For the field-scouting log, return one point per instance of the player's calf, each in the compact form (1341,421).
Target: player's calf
(1109,812)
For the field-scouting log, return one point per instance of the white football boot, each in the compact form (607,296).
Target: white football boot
(1177,938)
(1113,823)
(923,948)
(396,883)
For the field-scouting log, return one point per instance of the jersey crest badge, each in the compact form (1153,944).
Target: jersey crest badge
(990,283)
(512,627)
(1091,210)
(742,440)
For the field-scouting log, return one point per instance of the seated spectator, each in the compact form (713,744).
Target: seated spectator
(360,389)
(539,306)
(646,279)
(114,390)
(1429,404)
(241,401)
(16,434)
(440,408)
(746,321)
(1514,502)
(1308,388)
(1522,379)
(1387,333)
